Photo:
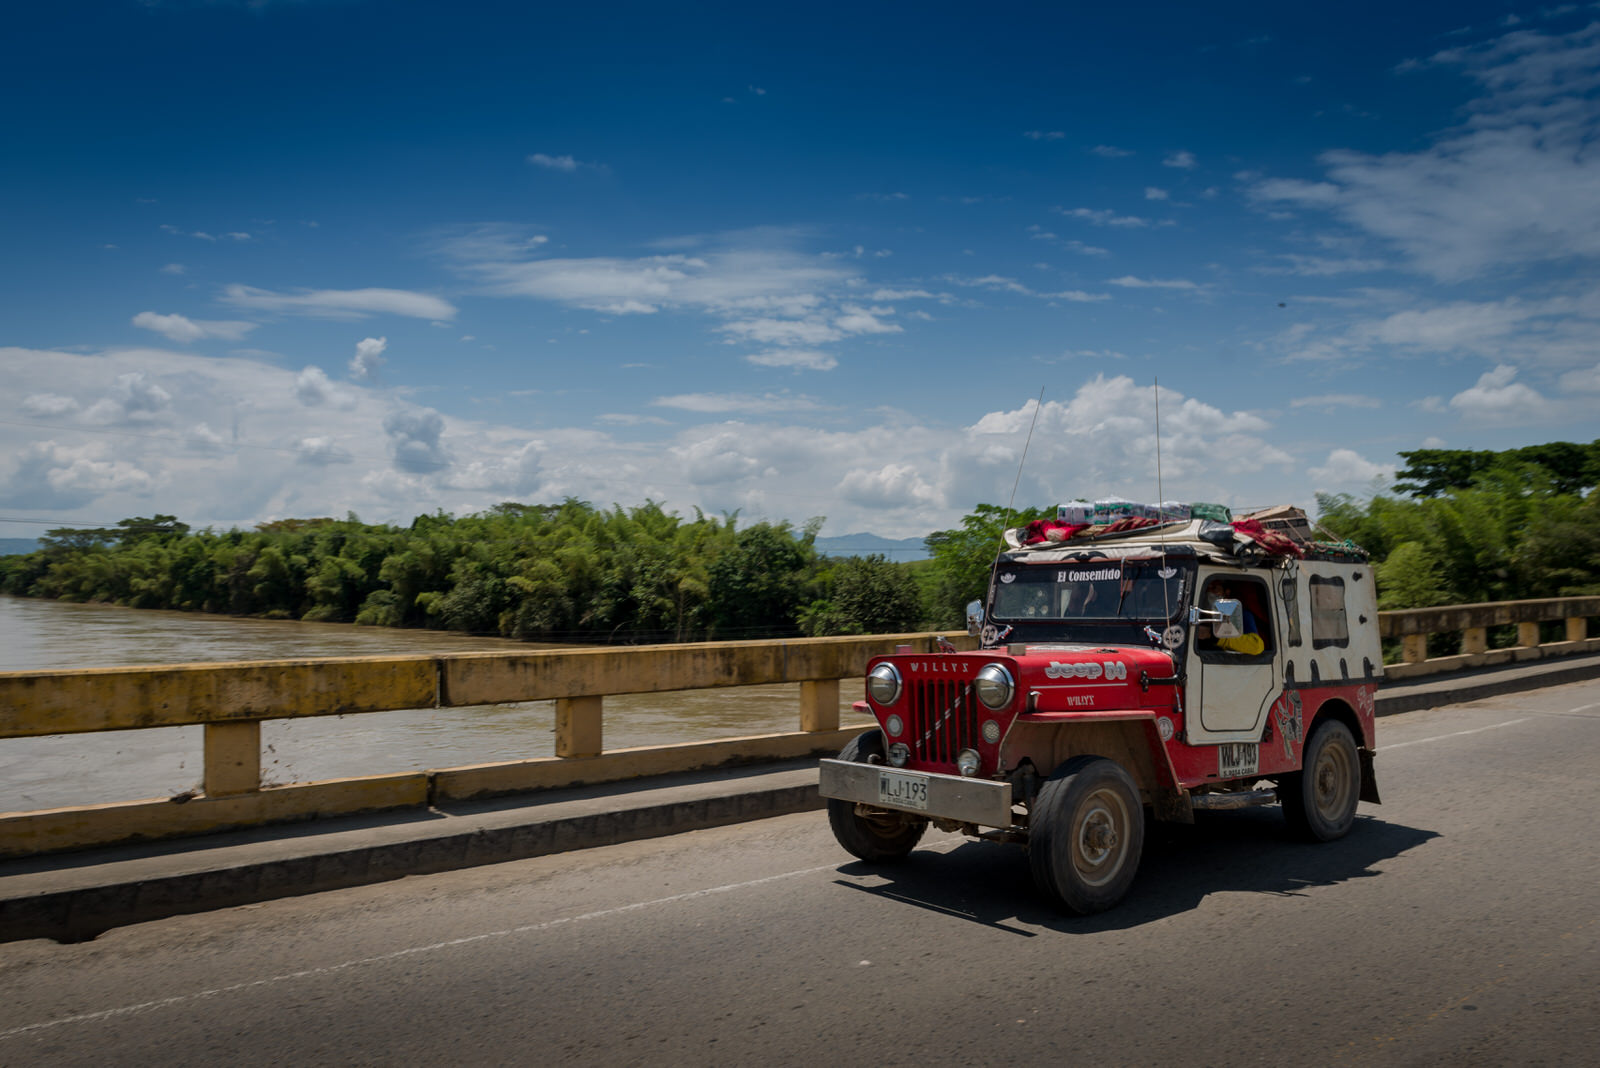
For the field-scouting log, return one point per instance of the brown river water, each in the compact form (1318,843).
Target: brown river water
(81,769)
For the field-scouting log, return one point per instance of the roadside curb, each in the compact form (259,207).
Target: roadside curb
(1438,690)
(81,912)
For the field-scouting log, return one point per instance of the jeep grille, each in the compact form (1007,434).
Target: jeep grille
(943,720)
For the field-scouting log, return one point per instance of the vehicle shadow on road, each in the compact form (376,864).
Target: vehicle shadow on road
(1238,852)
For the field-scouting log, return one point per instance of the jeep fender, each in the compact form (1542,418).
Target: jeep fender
(1050,739)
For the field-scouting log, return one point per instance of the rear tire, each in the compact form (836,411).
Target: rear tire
(1320,800)
(883,835)
(1086,834)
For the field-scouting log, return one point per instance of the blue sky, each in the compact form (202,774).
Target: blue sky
(303,258)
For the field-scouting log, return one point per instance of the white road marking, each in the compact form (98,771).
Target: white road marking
(1453,734)
(180,999)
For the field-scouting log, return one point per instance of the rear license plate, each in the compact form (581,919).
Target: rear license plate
(903,790)
(1235,759)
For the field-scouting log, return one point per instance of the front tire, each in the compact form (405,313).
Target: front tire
(882,835)
(1086,834)
(1320,800)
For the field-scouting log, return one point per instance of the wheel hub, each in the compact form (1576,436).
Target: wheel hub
(1099,837)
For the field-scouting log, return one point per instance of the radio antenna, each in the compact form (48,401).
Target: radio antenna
(1161,498)
(1037,405)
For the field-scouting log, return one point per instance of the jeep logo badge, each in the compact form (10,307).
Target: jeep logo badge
(1112,670)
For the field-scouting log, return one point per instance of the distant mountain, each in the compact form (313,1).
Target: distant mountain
(896,549)
(17,546)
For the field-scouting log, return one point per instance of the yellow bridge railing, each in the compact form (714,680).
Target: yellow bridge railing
(231,700)
(1473,622)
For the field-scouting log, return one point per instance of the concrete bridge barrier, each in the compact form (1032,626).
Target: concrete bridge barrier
(231,700)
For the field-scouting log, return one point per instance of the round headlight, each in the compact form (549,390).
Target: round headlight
(899,753)
(896,726)
(883,684)
(967,762)
(994,686)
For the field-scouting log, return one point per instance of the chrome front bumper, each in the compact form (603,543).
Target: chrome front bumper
(951,797)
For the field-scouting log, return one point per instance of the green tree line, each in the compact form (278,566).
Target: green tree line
(565,572)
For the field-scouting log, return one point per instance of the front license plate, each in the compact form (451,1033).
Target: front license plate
(1235,759)
(903,790)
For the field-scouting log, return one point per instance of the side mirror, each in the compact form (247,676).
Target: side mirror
(1226,618)
(1231,625)
(974,617)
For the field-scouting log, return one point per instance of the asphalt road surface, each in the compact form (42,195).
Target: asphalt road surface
(1457,924)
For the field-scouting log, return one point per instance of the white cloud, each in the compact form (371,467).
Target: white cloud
(784,331)
(517,471)
(184,330)
(1110,151)
(1153,193)
(48,405)
(1346,469)
(1330,401)
(202,438)
(1450,326)
(368,358)
(859,320)
(724,281)
(1105,217)
(49,475)
(1324,266)
(1128,281)
(1583,380)
(715,403)
(321,451)
(799,359)
(341,303)
(1512,185)
(1497,399)
(133,398)
(553,163)
(894,485)
(313,388)
(1183,160)
(414,438)
(1044,135)
(996,282)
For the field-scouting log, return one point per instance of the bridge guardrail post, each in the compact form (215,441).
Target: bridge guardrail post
(1527,635)
(1475,640)
(1577,628)
(579,725)
(1414,648)
(232,758)
(819,705)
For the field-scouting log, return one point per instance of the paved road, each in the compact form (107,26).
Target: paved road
(1456,925)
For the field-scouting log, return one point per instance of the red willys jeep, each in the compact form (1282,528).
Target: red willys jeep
(1179,666)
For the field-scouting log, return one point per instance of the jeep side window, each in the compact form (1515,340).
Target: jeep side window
(1328,623)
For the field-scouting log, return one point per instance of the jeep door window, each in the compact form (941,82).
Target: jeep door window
(1102,591)
(1252,594)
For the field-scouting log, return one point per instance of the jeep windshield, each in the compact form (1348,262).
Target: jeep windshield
(1138,590)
